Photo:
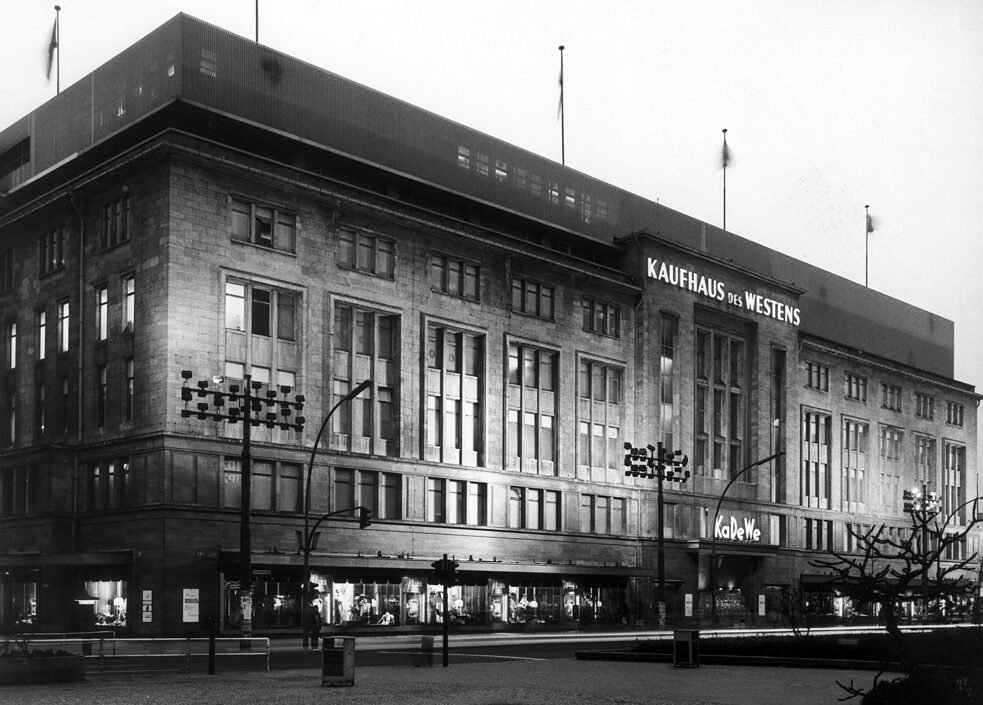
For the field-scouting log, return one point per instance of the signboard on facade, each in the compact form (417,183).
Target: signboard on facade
(148,606)
(688,604)
(761,605)
(191,605)
(711,288)
(738,530)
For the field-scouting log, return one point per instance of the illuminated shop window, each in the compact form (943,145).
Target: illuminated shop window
(108,600)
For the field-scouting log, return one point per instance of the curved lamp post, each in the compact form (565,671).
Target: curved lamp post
(306,547)
(713,534)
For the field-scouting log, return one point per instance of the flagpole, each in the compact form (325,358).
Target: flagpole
(725,178)
(257,21)
(563,143)
(867,245)
(58,49)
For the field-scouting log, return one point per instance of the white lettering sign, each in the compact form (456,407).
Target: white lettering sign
(735,531)
(683,278)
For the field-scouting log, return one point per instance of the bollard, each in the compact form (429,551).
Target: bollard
(211,645)
(426,652)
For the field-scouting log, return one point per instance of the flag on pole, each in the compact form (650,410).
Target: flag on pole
(52,45)
(870,224)
(559,105)
(725,153)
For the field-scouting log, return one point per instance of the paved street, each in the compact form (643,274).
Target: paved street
(499,682)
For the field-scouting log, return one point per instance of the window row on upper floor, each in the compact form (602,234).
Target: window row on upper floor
(891,395)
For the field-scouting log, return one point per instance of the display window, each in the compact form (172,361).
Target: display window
(107,599)
(350,603)
(18,598)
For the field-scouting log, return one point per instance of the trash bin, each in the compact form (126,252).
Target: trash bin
(338,661)
(686,648)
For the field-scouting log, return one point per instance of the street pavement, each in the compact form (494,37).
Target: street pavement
(502,681)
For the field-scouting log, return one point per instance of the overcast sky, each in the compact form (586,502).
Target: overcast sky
(829,105)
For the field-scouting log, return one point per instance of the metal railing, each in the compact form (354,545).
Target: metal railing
(155,650)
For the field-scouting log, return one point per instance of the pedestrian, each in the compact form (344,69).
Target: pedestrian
(314,624)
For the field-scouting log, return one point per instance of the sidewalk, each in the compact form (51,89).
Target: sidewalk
(525,682)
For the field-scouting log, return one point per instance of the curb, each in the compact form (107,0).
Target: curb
(730,660)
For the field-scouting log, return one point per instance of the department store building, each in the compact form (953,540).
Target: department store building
(203,203)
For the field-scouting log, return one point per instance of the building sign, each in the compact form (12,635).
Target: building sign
(688,604)
(711,288)
(191,605)
(148,606)
(743,531)
(761,606)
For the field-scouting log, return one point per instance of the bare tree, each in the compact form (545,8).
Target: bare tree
(889,565)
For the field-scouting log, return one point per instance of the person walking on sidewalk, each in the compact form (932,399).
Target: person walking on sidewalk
(314,623)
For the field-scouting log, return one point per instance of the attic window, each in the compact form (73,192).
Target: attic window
(208,63)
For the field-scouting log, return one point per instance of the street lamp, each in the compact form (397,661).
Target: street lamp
(235,405)
(713,533)
(922,505)
(365,384)
(666,465)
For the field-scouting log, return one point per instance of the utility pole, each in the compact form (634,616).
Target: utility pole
(235,405)
(667,466)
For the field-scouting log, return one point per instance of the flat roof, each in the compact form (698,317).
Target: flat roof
(187,60)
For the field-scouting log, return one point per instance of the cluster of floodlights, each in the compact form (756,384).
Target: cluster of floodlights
(247,402)
(918,501)
(653,460)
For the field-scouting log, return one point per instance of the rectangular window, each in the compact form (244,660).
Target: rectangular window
(721,411)
(600,514)
(954,413)
(366,346)
(856,387)
(42,408)
(6,270)
(924,406)
(532,299)
(779,385)
(603,318)
(533,446)
(51,251)
(288,492)
(455,384)
(891,460)
(815,452)
(891,397)
(42,334)
(102,312)
(235,306)
(853,481)
(128,389)
(436,509)
(64,325)
(455,277)
(264,226)
(232,483)
(12,345)
(667,353)
(600,420)
(817,376)
(366,253)
(954,484)
(115,222)
(129,303)
(101,395)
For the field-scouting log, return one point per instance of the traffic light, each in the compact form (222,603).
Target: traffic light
(364,517)
(445,571)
